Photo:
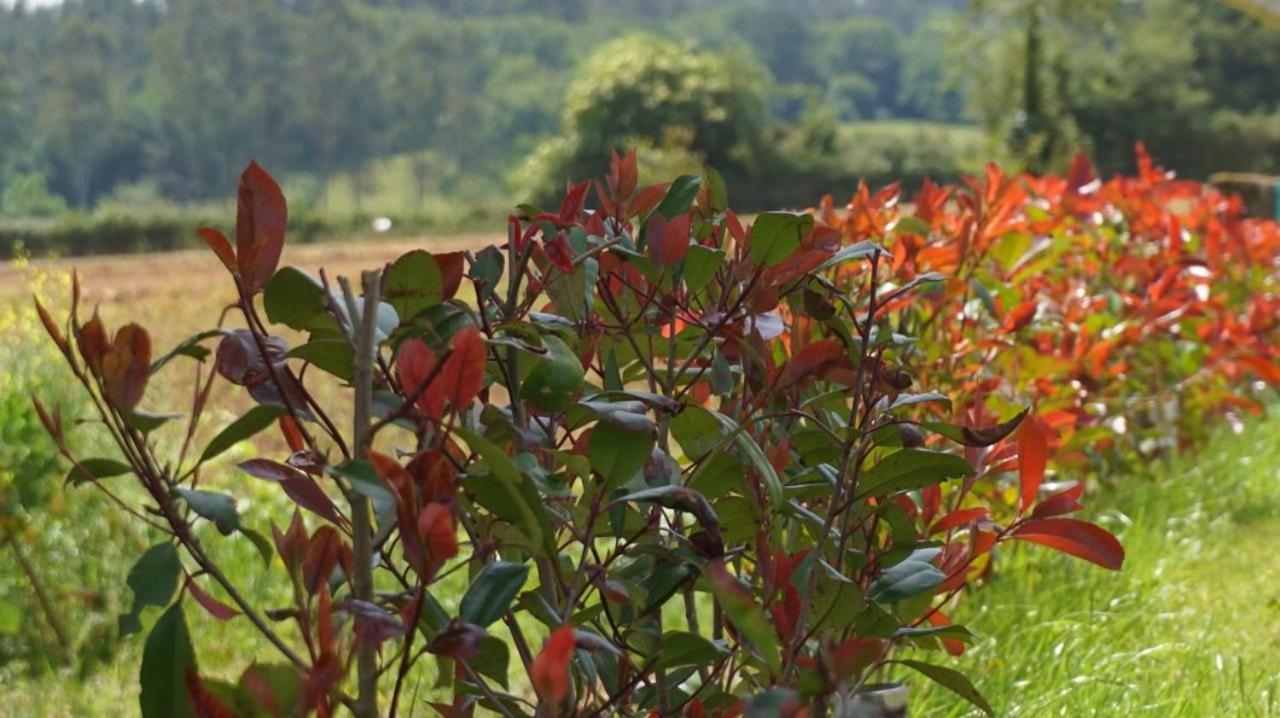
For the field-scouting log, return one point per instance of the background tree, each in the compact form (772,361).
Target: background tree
(81,111)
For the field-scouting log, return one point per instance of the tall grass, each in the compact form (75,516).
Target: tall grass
(1190,627)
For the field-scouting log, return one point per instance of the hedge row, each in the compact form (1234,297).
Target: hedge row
(79,234)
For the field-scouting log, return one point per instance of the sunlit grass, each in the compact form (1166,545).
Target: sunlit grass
(1190,627)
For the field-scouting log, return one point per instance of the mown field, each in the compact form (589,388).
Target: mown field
(1191,626)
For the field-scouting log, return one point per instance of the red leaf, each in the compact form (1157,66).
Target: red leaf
(292,434)
(297,486)
(1073,536)
(1263,367)
(622,174)
(560,253)
(810,363)
(204,703)
(549,672)
(463,373)
(415,362)
(323,552)
(573,201)
(439,535)
(1019,317)
(851,658)
(292,543)
(126,367)
(216,608)
(451,266)
(458,639)
(959,517)
(1081,173)
(646,200)
(92,342)
(261,216)
(220,245)
(1063,502)
(668,239)
(1033,456)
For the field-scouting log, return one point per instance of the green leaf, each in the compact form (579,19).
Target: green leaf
(908,578)
(283,684)
(951,630)
(680,196)
(492,592)
(776,235)
(413,283)
(330,355)
(98,468)
(211,505)
(746,615)
(911,469)
(493,661)
(10,618)
(851,253)
(697,431)
(554,380)
(700,265)
(686,649)
(364,480)
(294,298)
(507,492)
(147,422)
(165,659)
(677,498)
(260,543)
(153,579)
(953,681)
(253,421)
(755,455)
(618,453)
(717,190)
(189,347)
(927,397)
(911,224)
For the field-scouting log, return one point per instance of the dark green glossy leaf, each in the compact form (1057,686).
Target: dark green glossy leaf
(253,421)
(700,265)
(953,681)
(211,505)
(554,380)
(617,453)
(494,660)
(294,298)
(911,469)
(413,283)
(153,579)
(98,468)
(746,614)
(333,356)
(189,347)
(910,577)
(776,235)
(680,196)
(166,658)
(491,593)
(679,648)
(507,492)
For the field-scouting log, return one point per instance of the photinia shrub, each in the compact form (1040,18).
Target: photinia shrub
(686,464)
(1127,311)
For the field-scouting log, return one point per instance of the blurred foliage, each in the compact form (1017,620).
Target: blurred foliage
(1193,80)
(72,541)
(177,95)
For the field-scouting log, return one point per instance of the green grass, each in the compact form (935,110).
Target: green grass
(1190,627)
